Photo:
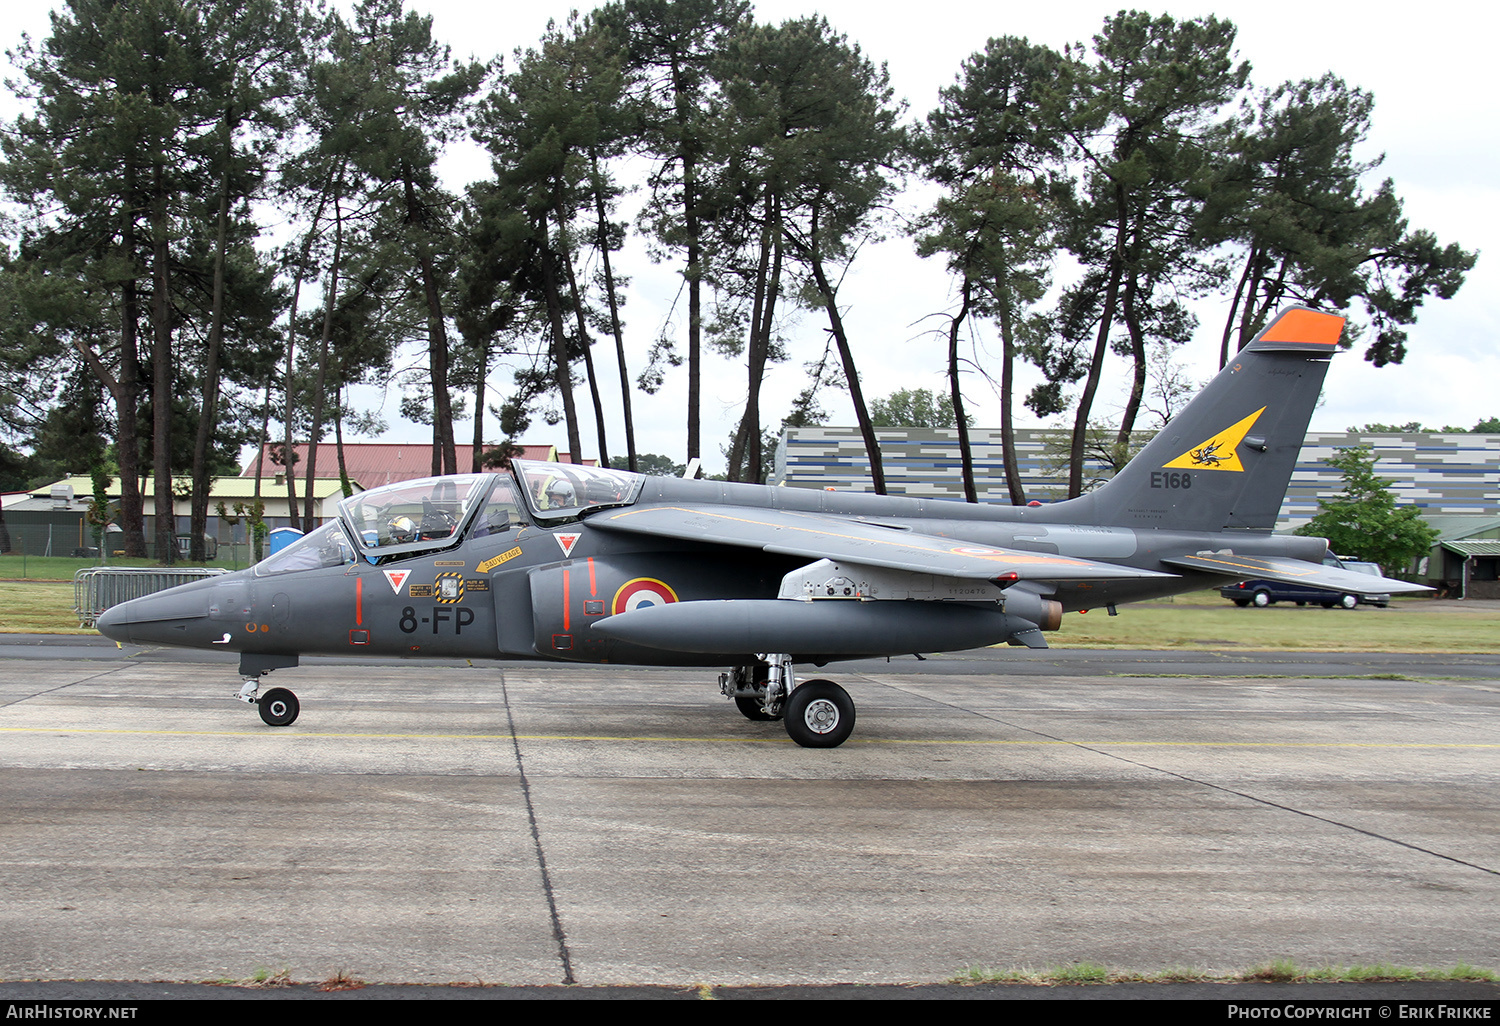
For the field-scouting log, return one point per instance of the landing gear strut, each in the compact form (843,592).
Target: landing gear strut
(278,707)
(816,713)
(748,687)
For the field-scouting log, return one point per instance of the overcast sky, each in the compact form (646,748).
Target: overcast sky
(1436,120)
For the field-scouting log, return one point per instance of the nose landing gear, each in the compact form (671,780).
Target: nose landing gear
(278,707)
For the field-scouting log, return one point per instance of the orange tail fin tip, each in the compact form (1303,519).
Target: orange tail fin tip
(1300,325)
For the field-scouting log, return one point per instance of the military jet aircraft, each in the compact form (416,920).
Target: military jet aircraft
(587,565)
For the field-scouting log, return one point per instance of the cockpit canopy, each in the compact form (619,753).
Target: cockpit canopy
(328,546)
(435,513)
(558,490)
(413,516)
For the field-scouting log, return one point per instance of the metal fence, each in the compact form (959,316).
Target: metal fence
(22,538)
(97,588)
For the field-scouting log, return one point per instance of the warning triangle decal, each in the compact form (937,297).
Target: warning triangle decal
(1218,452)
(397,578)
(566,540)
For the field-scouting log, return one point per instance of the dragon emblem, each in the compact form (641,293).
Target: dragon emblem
(1208,456)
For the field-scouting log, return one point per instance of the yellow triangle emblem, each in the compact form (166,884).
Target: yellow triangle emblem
(1218,452)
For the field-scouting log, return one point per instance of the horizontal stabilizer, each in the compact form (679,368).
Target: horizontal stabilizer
(1293,571)
(790,533)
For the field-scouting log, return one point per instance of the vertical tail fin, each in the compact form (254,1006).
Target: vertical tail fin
(1226,459)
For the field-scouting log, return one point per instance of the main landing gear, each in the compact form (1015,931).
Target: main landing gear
(816,713)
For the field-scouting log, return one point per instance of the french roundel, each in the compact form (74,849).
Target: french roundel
(640,593)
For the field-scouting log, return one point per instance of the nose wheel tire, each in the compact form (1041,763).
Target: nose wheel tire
(278,707)
(819,714)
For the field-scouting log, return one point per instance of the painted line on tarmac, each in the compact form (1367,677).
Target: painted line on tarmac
(283,733)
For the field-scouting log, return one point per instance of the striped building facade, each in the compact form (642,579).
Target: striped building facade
(1438,472)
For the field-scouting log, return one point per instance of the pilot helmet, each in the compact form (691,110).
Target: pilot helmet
(403,529)
(560,494)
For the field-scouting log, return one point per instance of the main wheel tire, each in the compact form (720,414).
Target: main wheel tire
(1349,601)
(819,714)
(1262,599)
(752,710)
(278,707)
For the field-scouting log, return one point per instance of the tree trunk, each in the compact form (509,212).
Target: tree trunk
(562,374)
(846,355)
(1096,365)
(477,456)
(127,396)
(315,432)
(338,434)
(198,519)
(161,375)
(1131,315)
(437,333)
(288,453)
(694,273)
(1234,306)
(762,317)
(265,434)
(965,448)
(614,316)
(1013,483)
(586,345)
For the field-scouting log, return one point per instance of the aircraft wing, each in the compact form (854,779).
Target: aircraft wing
(818,536)
(1293,571)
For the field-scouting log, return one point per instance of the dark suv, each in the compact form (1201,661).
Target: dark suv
(1263,593)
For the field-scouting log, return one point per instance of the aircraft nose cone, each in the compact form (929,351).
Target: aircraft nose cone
(170,617)
(113,623)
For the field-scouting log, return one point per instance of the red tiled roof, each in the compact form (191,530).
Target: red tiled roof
(372,464)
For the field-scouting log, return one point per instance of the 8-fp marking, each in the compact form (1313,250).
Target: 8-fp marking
(458,617)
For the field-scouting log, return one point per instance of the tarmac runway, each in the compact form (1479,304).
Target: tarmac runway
(439,822)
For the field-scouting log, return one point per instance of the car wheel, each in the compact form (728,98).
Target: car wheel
(1262,599)
(1349,601)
